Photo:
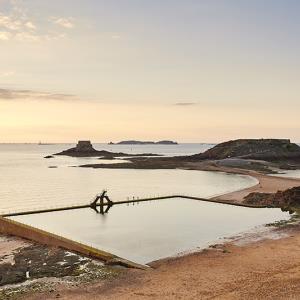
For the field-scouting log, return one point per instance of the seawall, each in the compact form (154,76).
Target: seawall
(11,227)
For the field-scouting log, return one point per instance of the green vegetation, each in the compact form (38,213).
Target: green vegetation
(295,219)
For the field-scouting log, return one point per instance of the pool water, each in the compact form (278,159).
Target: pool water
(152,230)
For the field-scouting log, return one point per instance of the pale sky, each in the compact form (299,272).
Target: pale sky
(189,70)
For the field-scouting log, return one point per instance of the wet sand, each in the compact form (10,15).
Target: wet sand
(267,183)
(266,269)
(8,245)
(44,265)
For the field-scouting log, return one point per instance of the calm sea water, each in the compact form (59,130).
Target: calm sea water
(153,230)
(142,232)
(27,182)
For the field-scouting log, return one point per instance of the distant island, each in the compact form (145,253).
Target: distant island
(134,142)
(86,149)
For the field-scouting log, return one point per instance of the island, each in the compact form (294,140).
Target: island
(262,155)
(256,149)
(86,149)
(135,142)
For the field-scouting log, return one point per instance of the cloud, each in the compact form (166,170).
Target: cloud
(64,22)
(17,25)
(12,94)
(186,103)
(10,23)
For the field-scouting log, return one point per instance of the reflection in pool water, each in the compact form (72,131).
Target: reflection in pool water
(151,230)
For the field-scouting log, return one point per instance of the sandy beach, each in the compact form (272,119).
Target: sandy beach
(265,269)
(266,183)
(260,265)
(146,149)
(264,264)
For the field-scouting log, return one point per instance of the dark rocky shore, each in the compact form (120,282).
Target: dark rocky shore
(19,256)
(262,155)
(286,200)
(255,149)
(40,261)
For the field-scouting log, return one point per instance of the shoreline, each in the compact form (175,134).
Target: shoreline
(266,183)
(239,267)
(116,288)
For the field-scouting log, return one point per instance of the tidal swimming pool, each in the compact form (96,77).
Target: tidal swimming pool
(152,230)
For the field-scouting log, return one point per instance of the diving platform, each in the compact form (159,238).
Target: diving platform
(102,204)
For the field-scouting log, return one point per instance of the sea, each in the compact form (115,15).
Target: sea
(143,232)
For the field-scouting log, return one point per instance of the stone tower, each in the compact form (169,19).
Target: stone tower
(84,146)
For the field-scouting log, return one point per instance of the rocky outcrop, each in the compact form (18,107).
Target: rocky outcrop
(258,149)
(84,146)
(82,149)
(86,149)
(287,199)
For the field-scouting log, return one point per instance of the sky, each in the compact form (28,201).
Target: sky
(189,70)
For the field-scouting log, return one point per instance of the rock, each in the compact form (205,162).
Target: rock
(82,149)
(49,156)
(259,149)
(86,149)
(283,199)
(84,146)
